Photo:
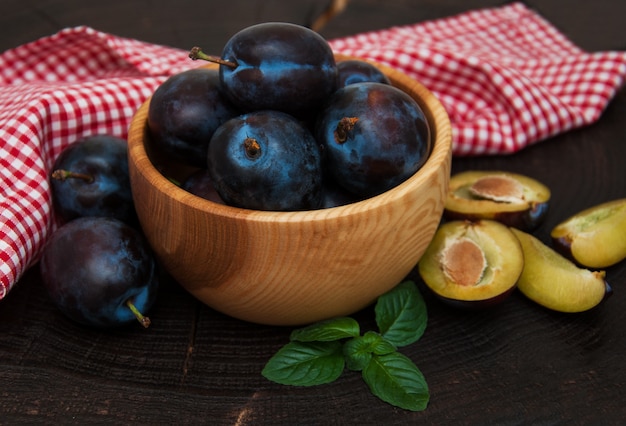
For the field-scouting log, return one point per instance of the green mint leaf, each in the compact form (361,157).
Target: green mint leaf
(401,314)
(326,331)
(305,363)
(396,380)
(359,350)
(357,353)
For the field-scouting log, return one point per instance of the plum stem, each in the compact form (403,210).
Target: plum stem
(343,129)
(197,53)
(145,321)
(252,148)
(67,174)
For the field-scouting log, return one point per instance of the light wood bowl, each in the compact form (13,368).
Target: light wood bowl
(291,268)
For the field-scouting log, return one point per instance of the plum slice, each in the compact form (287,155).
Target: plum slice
(510,198)
(555,282)
(595,237)
(472,264)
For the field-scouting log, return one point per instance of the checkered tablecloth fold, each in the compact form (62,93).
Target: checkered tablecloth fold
(506,77)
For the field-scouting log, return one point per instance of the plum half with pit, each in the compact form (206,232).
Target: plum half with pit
(100,272)
(90,178)
(511,198)
(594,237)
(266,160)
(472,265)
(374,136)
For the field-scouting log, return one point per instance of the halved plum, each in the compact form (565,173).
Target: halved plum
(594,237)
(472,264)
(555,282)
(510,198)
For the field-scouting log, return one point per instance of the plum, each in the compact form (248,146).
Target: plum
(472,264)
(100,272)
(334,195)
(351,71)
(200,183)
(276,65)
(374,136)
(266,160)
(185,111)
(90,178)
(511,198)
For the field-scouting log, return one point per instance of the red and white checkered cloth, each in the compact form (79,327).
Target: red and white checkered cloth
(506,77)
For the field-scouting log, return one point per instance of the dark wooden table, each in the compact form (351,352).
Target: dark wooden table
(515,364)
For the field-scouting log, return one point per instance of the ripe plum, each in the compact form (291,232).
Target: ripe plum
(200,183)
(278,66)
(358,71)
(266,160)
(185,111)
(334,195)
(90,178)
(374,135)
(100,272)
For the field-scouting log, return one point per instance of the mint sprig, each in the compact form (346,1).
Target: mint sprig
(319,353)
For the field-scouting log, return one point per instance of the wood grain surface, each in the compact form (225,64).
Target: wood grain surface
(515,364)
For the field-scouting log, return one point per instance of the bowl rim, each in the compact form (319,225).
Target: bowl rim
(441,134)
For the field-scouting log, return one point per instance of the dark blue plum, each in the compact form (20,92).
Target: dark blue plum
(374,136)
(266,160)
(334,195)
(353,71)
(200,183)
(278,66)
(90,178)
(185,111)
(93,266)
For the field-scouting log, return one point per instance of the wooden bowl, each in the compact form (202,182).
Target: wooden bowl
(291,268)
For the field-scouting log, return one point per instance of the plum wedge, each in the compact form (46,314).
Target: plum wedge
(511,198)
(595,237)
(555,282)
